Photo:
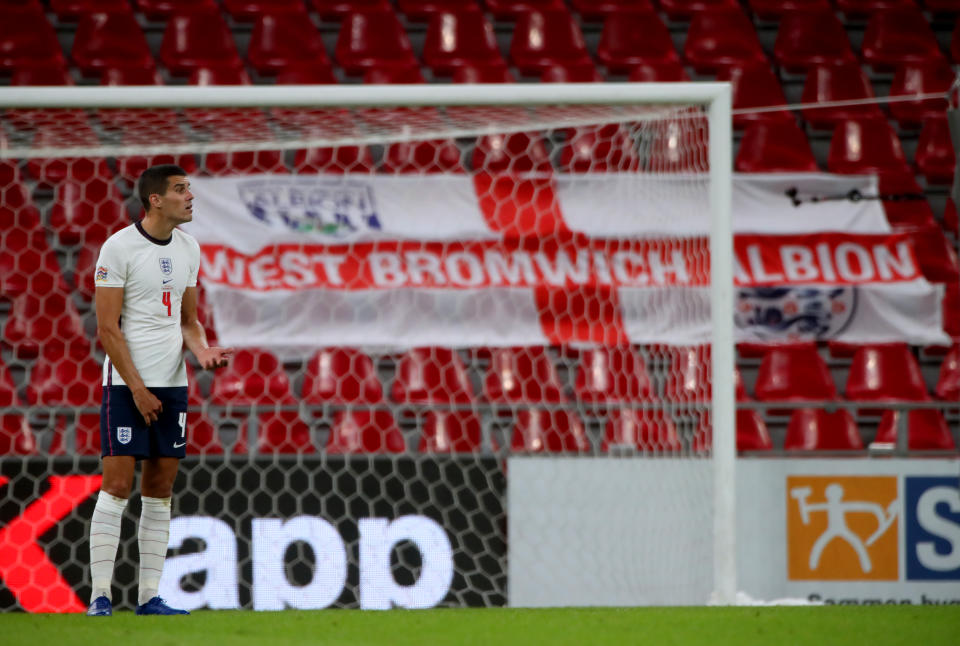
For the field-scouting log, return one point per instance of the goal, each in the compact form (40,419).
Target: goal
(484,342)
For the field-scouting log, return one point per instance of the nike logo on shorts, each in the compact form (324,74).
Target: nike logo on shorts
(177,445)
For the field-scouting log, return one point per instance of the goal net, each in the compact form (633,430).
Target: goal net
(484,353)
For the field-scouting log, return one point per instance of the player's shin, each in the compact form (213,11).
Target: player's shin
(152,538)
(104,539)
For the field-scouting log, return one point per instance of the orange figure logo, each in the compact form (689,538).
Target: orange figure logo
(842,528)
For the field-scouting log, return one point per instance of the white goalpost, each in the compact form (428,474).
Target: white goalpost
(559,253)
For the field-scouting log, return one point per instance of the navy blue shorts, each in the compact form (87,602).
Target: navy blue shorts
(123,431)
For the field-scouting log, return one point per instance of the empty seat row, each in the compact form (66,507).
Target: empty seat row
(534,431)
(858,146)
(67,375)
(372,37)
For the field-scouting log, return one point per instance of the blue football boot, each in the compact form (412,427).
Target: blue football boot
(101,607)
(156,606)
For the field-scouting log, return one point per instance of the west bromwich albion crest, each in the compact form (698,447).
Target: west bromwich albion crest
(124,434)
(166,266)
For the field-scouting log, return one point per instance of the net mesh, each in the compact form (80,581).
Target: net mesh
(431,291)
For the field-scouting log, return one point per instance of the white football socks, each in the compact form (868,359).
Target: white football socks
(152,538)
(104,538)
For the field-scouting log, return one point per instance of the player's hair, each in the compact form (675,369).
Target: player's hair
(154,180)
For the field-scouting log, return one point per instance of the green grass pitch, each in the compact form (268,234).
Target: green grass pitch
(740,626)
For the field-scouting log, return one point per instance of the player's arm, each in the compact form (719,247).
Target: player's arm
(109,305)
(195,337)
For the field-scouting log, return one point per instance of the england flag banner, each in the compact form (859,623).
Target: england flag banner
(448,260)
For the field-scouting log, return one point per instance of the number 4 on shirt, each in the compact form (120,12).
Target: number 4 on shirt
(167,301)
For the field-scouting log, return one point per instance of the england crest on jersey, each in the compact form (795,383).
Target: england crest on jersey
(166,266)
(124,434)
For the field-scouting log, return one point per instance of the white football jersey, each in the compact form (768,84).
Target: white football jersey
(154,274)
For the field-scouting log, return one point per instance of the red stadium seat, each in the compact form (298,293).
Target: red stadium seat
(689,377)
(942,6)
(865,8)
(898,36)
(794,373)
(250,10)
(545,38)
(513,9)
(431,376)
(364,432)
(28,264)
(41,75)
(339,9)
(343,159)
(775,9)
(405,73)
(676,145)
(752,433)
(306,75)
(865,147)
(522,375)
(27,39)
(948,383)
(197,38)
(341,376)
(424,10)
(130,76)
(16,437)
(635,38)
(451,432)
(202,437)
(951,221)
(908,208)
(811,37)
(40,321)
(129,168)
(73,10)
(658,73)
(920,78)
(937,257)
(926,430)
(641,431)
(683,10)
(370,39)
(842,82)
(281,40)
(513,153)
(497,73)
(612,374)
(253,377)
(818,430)
(557,431)
(109,40)
(65,377)
(441,156)
(887,372)
(754,86)
(160,10)
(951,310)
(582,72)
(244,162)
(935,157)
(461,38)
(229,74)
(91,208)
(599,149)
(720,37)
(593,10)
(282,432)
